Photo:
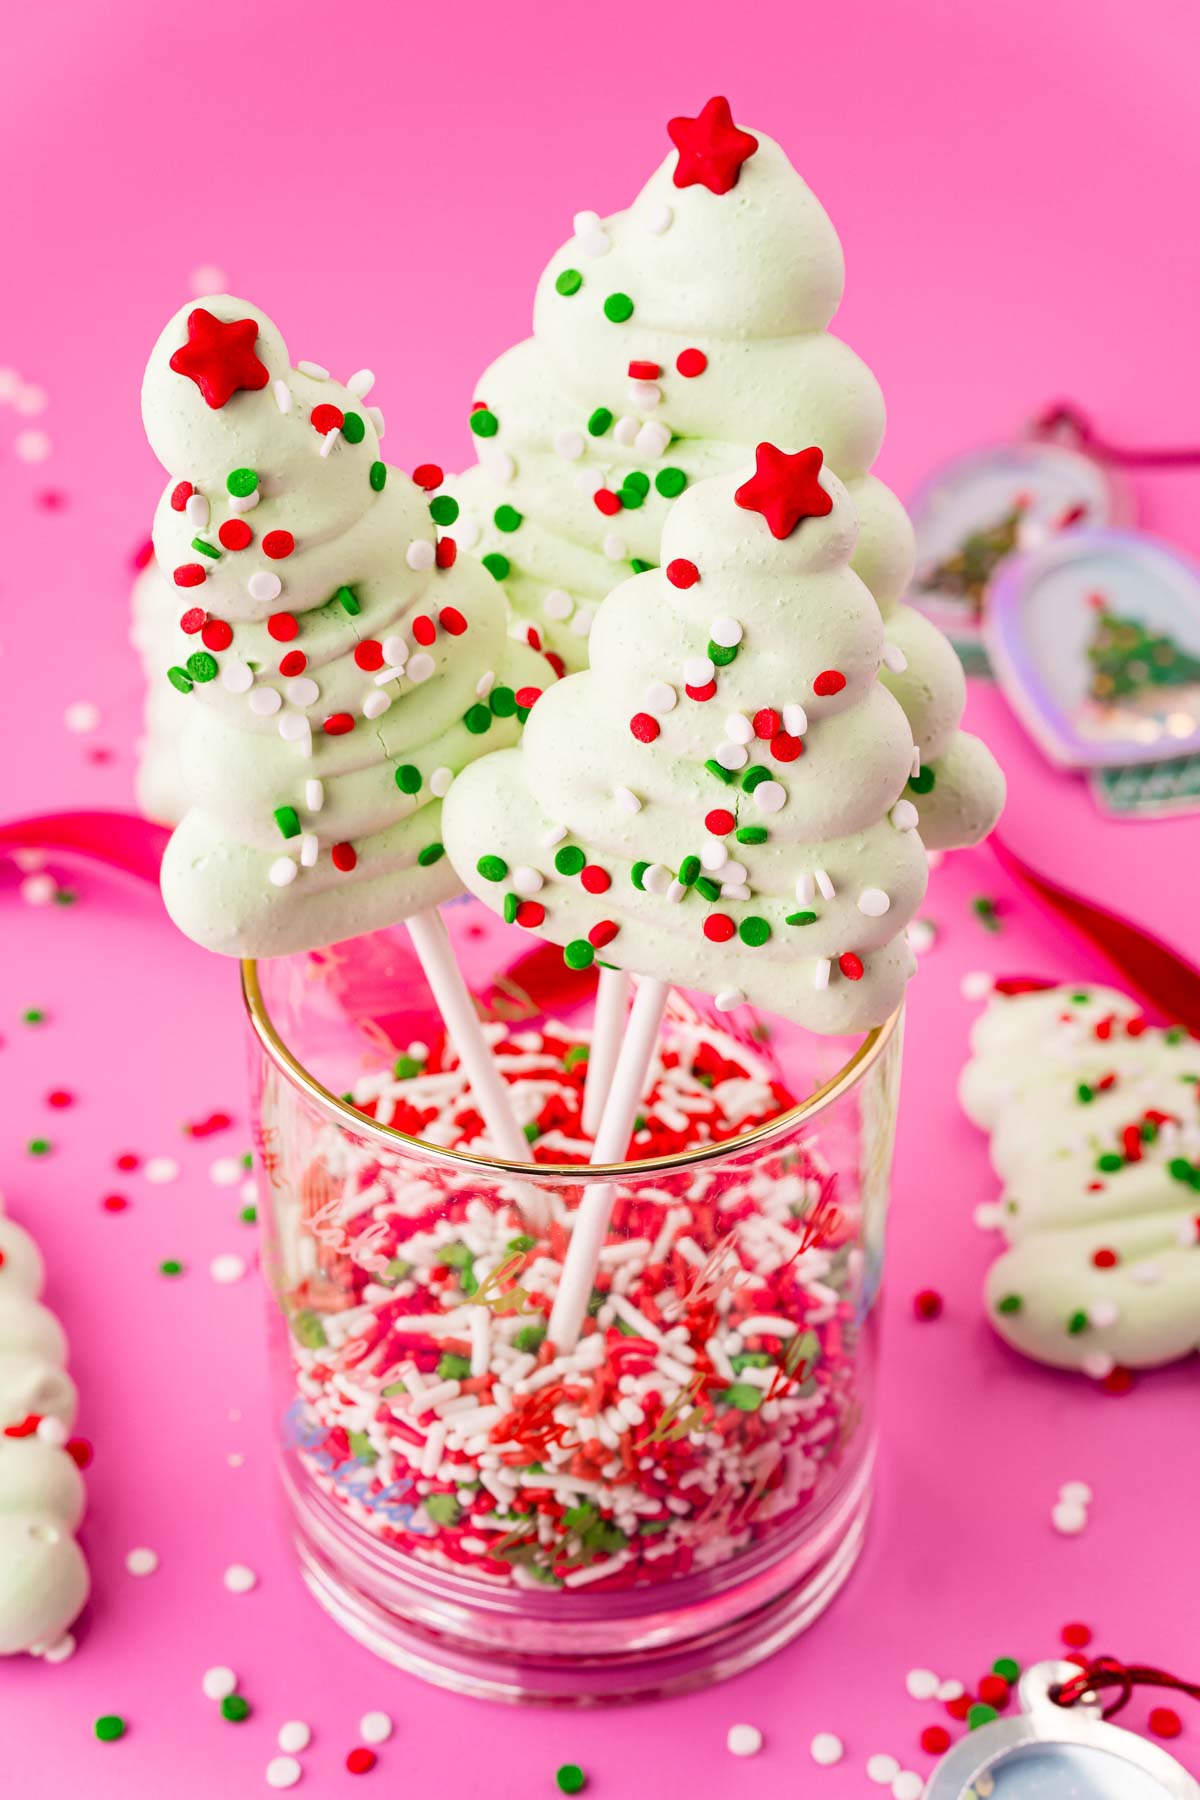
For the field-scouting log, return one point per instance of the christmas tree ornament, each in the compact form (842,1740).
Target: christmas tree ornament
(1094,1117)
(1061,1744)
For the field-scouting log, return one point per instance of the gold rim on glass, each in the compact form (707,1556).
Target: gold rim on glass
(851,1071)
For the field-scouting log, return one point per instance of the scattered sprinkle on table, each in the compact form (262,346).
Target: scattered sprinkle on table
(921,1684)
(81,716)
(360,1761)
(826,1749)
(235,1708)
(375,1728)
(283,1772)
(1165,1722)
(1077,1492)
(744,1740)
(227,1268)
(1076,1635)
(239,1579)
(570,1778)
(226,1171)
(141,1562)
(882,1768)
(62,1650)
(1069,1518)
(161,1169)
(294,1735)
(109,1727)
(927,1304)
(935,1740)
(976,985)
(950,1690)
(908,1785)
(218,1682)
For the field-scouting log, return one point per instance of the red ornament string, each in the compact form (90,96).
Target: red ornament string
(1062,418)
(1108,1671)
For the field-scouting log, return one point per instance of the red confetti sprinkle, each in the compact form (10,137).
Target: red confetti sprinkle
(959,1708)
(603,933)
(767,723)
(80,1452)
(445,553)
(595,879)
(60,1097)
(181,493)
(784,489)
(1118,1381)
(344,857)
(719,821)
(530,913)
(235,534)
(928,1303)
(428,475)
(278,544)
(719,928)
(681,573)
(1105,1259)
(829,681)
(217,634)
(607,502)
(556,662)
(691,363)
(701,693)
(282,627)
(143,556)
(711,148)
(525,696)
(994,1691)
(26,1428)
(326,418)
(424,629)
(644,371)
(219,357)
(645,727)
(451,620)
(935,1740)
(293,663)
(338,724)
(369,655)
(114,1203)
(1131,1143)
(785,748)
(1076,1636)
(1165,1722)
(189,575)
(129,1159)
(850,965)
(360,1761)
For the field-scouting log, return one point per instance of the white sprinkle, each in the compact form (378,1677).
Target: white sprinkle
(527,881)
(558,604)
(283,396)
(421,554)
(218,1683)
(244,503)
(805,889)
(283,1772)
(916,761)
(294,1735)
(657,879)
(237,677)
(330,439)
(950,1690)
(698,671)
(294,728)
(795,719)
(227,1268)
(38,890)
(905,816)
(239,1579)
(581,624)
(882,1769)
(161,1169)
(975,985)
(826,1749)
(894,659)
(732,756)
(660,697)
(1076,1493)
(1102,1314)
(825,886)
(32,446)
(30,401)
(713,855)
(310,849)
(908,1785)
(1145,1274)
(314,795)
(645,395)
(1069,1518)
(659,220)
(625,431)
(676,892)
(196,512)
(440,781)
(82,716)
(989,1214)
(627,799)
(264,701)
(734,890)
(302,690)
(769,796)
(921,935)
(141,1562)
(873,902)
(728,999)
(375,414)
(744,1740)
(314,369)
(61,1649)
(589,481)
(376,703)
(225,1172)
(738,728)
(208,279)
(376,1727)
(726,632)
(735,871)
(554,836)
(395,651)
(361,383)
(52,1431)
(653,438)
(821,973)
(264,584)
(614,546)
(1098,1365)
(921,1684)
(485,684)
(282,872)
(421,666)
(570,445)
(584,222)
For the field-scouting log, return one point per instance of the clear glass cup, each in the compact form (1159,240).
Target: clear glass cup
(674,1500)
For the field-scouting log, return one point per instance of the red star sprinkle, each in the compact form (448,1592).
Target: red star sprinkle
(850,965)
(785,489)
(219,357)
(711,148)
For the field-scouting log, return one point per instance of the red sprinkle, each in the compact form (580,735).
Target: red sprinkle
(719,928)
(927,1304)
(424,629)
(645,727)
(294,662)
(935,1739)
(60,1097)
(344,857)
(428,475)
(235,534)
(181,493)
(189,575)
(595,879)
(326,418)
(691,363)
(192,620)
(719,821)
(1165,1722)
(445,553)
(603,933)
(282,627)
(530,913)
(451,620)
(767,723)
(607,502)
(114,1203)
(681,573)
(1131,1143)
(369,655)
(994,1691)
(1076,1636)
(701,693)
(128,1159)
(526,696)
(360,1761)
(1118,1381)
(556,662)
(786,748)
(850,965)
(80,1452)
(958,1709)
(338,724)
(1105,1259)
(217,634)
(829,681)
(278,544)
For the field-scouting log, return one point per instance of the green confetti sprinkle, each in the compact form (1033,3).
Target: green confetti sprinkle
(443,1509)
(529,1339)
(1077,1322)
(751,834)
(1007,1668)
(689,871)
(568,283)
(630,497)
(579,954)
(618,308)
(353,428)
(288,821)
(39,1146)
(205,548)
(715,768)
(484,423)
(1110,1162)
(33,1015)
(109,1727)
(496,565)
(639,565)
(802,918)
(570,1778)
(980,1714)
(235,1707)
(172,1266)
(431,854)
(492,868)
(578,1053)
(179,678)
(201,666)
(408,778)
(406,1067)
(600,421)
(721,654)
(241,482)
(922,782)
(710,890)
(637,873)
(569,860)
(507,518)
(453,1368)
(1084,1094)
(742,1395)
(348,601)
(378,476)
(512,905)
(637,482)
(753,776)
(249,1215)
(754,931)
(503,702)
(670,483)
(443,509)
(478,719)
(1011,1303)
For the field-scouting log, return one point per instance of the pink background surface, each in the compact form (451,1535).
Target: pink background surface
(1013,187)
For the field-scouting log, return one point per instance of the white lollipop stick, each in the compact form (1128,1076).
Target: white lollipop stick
(612,998)
(595,1210)
(431,941)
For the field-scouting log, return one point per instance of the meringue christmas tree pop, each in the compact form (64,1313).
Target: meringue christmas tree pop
(341,664)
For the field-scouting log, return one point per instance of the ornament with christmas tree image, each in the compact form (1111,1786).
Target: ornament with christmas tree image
(339,663)
(729,799)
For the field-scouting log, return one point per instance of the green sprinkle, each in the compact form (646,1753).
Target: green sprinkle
(362,1447)
(109,1727)
(406,1067)
(171,1267)
(670,483)
(715,768)
(353,429)
(742,1395)
(201,666)
(1084,1094)
(512,903)
(569,860)
(751,834)
(1011,1303)
(496,565)
(1077,1322)
(639,565)
(430,854)
(506,518)
(35,1016)
(529,1339)
(235,1708)
(443,1509)
(533,1131)
(503,702)
(443,509)
(721,654)
(802,918)
(484,423)
(754,931)
(206,549)
(570,1778)
(408,778)
(984,908)
(1110,1162)
(569,282)
(689,871)
(710,890)
(492,868)
(288,821)
(517,1246)
(600,421)
(980,1714)
(249,1215)
(578,1053)
(179,678)
(637,873)
(378,476)
(39,1146)
(630,497)
(636,482)
(348,600)
(1180,1169)
(478,718)
(241,482)
(922,783)
(579,954)
(453,1368)
(618,308)
(1081,998)
(755,774)
(1007,1668)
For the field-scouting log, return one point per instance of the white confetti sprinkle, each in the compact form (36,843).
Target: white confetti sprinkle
(294,728)
(732,756)
(921,935)
(32,446)
(161,1169)
(1069,1518)
(950,1690)
(499,464)
(905,816)
(317,371)
(614,546)
(441,781)
(795,719)
(660,697)
(30,401)
(395,651)
(294,1735)
(588,482)
(227,1268)
(239,1579)
(627,799)
(908,1785)
(10,383)
(921,1684)
(554,836)
(585,221)
(208,279)
(581,624)
(734,890)
(989,1214)
(283,396)
(916,761)
(698,671)
(728,999)
(302,690)
(264,584)
(1102,1314)
(375,414)
(314,795)
(1075,1493)
(421,554)
(467,530)
(244,503)
(657,878)
(645,395)
(236,677)
(596,243)
(975,985)
(310,849)
(265,701)
(873,903)
(1098,1365)
(826,1749)
(625,431)
(676,892)
(769,796)
(420,667)
(375,1728)
(653,438)
(659,220)
(376,704)
(218,1683)
(361,383)
(226,1171)
(825,886)
(330,440)
(713,855)
(1147,1274)
(726,632)
(283,1772)
(894,659)
(882,1769)
(738,728)
(744,1740)
(282,872)
(527,881)
(62,1649)
(558,604)
(196,512)
(570,445)
(38,890)
(52,1431)
(141,1562)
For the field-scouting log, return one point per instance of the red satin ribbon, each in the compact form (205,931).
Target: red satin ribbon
(1109,1671)
(1062,418)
